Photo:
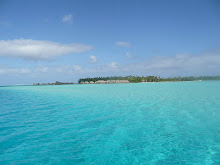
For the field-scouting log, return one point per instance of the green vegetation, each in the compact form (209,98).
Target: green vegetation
(137,79)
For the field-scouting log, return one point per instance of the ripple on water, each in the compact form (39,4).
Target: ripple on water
(147,123)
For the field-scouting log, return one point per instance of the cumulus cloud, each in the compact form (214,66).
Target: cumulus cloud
(177,65)
(184,62)
(67,19)
(38,50)
(122,44)
(93,59)
(182,65)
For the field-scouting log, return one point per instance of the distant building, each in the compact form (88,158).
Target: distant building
(105,82)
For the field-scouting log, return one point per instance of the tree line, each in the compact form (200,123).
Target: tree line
(137,79)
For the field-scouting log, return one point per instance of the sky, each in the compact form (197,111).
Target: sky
(64,40)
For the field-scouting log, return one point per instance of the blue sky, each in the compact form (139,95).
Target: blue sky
(49,40)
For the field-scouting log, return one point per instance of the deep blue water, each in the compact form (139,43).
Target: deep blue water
(175,123)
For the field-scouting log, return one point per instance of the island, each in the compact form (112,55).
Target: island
(133,79)
(56,83)
(142,79)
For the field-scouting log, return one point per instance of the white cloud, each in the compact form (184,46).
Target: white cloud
(74,69)
(9,70)
(184,62)
(128,55)
(113,65)
(38,50)
(93,59)
(178,65)
(122,44)
(183,65)
(59,69)
(42,69)
(67,19)
(77,68)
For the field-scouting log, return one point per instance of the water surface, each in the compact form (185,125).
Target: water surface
(173,123)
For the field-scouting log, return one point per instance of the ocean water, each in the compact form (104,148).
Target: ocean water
(172,123)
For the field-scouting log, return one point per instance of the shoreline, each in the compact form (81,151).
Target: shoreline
(94,84)
(143,82)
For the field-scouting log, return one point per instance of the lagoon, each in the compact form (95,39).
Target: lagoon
(162,123)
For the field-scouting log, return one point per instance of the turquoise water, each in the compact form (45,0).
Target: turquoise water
(175,123)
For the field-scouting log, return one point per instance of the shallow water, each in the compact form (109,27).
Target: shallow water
(173,123)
